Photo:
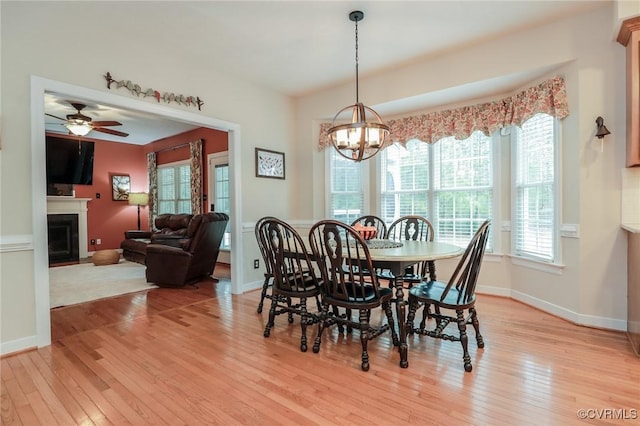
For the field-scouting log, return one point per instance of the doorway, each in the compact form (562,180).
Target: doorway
(40,86)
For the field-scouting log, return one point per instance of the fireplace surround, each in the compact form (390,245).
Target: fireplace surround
(62,206)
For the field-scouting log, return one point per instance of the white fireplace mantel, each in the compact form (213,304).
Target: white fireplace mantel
(72,205)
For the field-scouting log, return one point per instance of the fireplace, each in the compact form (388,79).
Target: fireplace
(63,241)
(76,207)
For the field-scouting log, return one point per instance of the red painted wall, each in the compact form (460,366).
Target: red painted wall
(108,219)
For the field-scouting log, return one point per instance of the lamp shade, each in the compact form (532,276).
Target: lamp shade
(78,129)
(138,198)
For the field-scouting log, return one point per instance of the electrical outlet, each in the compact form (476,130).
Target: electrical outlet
(98,241)
(93,242)
(256,263)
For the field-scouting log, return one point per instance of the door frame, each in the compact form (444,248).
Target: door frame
(39,86)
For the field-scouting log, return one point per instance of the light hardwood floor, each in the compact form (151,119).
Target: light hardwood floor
(187,356)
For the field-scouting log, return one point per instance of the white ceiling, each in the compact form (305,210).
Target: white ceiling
(300,47)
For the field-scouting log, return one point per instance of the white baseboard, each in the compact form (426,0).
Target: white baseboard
(254,285)
(18,345)
(559,311)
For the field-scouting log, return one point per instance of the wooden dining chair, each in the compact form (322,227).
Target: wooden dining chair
(416,228)
(345,265)
(375,221)
(268,274)
(293,276)
(456,295)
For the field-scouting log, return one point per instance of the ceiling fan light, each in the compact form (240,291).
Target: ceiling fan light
(78,129)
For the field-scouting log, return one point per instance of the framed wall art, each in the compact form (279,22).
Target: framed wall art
(269,164)
(120,187)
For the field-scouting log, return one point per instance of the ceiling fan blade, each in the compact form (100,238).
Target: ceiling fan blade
(110,131)
(106,123)
(59,118)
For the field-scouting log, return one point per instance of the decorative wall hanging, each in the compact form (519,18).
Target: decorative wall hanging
(167,97)
(269,164)
(120,187)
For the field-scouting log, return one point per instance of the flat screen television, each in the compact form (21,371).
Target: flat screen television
(69,161)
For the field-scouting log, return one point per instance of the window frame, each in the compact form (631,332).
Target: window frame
(365,173)
(174,165)
(556,239)
(213,160)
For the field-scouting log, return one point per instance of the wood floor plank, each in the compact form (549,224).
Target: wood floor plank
(198,356)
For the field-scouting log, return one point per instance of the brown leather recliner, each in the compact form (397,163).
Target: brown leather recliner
(170,229)
(169,266)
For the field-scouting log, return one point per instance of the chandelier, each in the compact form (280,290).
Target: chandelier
(357,131)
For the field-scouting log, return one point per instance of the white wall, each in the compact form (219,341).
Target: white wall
(43,39)
(591,287)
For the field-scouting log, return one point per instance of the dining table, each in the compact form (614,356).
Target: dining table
(396,257)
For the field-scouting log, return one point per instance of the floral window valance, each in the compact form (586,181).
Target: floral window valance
(549,97)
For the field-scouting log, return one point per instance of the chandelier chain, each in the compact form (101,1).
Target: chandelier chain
(357,82)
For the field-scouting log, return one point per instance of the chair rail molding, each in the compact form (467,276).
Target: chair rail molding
(16,243)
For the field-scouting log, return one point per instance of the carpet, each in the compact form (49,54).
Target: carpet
(73,284)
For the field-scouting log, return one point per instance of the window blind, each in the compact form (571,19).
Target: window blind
(347,188)
(463,187)
(534,189)
(174,189)
(222,199)
(405,181)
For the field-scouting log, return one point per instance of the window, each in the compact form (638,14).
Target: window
(404,188)
(462,187)
(347,183)
(174,188)
(219,164)
(534,189)
(450,183)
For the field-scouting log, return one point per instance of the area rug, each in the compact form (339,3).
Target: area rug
(73,284)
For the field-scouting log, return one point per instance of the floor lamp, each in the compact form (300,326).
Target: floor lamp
(138,199)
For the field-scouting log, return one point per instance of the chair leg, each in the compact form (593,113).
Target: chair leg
(476,326)
(364,337)
(272,317)
(289,312)
(411,315)
(304,315)
(265,287)
(389,312)
(462,327)
(322,324)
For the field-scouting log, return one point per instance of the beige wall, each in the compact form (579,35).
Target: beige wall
(591,287)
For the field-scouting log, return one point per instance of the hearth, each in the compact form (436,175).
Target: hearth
(64,245)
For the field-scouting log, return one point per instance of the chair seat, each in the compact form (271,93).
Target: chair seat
(369,296)
(431,292)
(306,288)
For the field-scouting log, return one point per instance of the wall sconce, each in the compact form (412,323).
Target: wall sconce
(601,129)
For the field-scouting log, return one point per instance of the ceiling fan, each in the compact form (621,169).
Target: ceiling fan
(80,124)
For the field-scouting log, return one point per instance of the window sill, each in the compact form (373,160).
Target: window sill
(552,268)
